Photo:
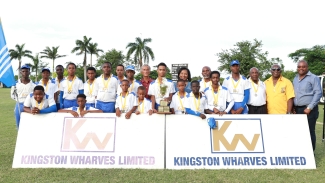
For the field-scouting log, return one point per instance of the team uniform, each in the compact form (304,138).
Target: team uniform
(204,85)
(219,99)
(69,91)
(106,93)
(90,90)
(257,98)
(143,107)
(50,88)
(154,89)
(133,87)
(237,91)
(178,103)
(23,90)
(126,103)
(47,105)
(195,106)
(57,83)
(76,109)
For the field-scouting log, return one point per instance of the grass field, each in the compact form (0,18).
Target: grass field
(8,135)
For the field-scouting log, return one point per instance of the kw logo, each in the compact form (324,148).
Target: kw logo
(92,134)
(226,137)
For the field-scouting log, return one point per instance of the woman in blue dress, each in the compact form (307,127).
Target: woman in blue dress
(184,74)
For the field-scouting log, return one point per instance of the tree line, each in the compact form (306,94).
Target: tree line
(249,53)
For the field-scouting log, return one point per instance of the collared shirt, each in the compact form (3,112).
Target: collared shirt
(204,85)
(133,87)
(23,90)
(278,95)
(154,89)
(46,102)
(223,96)
(146,84)
(308,90)
(107,94)
(192,102)
(257,96)
(125,103)
(178,103)
(90,90)
(50,88)
(143,107)
(188,88)
(76,85)
(58,83)
(236,88)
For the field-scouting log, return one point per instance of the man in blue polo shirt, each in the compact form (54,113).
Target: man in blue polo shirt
(308,92)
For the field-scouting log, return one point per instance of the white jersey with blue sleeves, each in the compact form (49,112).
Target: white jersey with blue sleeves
(125,103)
(236,88)
(46,102)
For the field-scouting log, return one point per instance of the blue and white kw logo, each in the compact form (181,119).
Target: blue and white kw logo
(237,136)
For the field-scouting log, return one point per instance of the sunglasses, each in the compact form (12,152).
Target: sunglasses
(278,69)
(301,67)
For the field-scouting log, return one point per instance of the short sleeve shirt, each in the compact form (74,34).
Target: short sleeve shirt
(125,103)
(178,103)
(107,88)
(218,99)
(278,95)
(50,88)
(46,102)
(192,103)
(155,89)
(90,90)
(71,88)
(236,88)
(144,106)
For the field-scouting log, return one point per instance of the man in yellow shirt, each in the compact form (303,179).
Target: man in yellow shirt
(279,92)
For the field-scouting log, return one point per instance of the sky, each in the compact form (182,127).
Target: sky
(181,31)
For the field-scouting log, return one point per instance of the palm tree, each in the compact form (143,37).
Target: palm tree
(51,54)
(92,48)
(141,51)
(82,48)
(18,54)
(37,65)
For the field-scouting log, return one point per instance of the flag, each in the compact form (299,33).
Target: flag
(6,73)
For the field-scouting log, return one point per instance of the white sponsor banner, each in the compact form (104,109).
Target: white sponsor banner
(57,140)
(239,142)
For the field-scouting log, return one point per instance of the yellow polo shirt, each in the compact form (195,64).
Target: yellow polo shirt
(278,95)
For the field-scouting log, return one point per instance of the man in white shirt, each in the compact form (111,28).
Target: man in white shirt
(82,109)
(134,84)
(23,88)
(218,96)
(59,78)
(90,87)
(49,85)
(205,82)
(70,88)
(238,87)
(107,85)
(257,99)
(161,88)
(38,102)
(196,102)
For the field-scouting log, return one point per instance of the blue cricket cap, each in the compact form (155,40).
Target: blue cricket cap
(234,62)
(46,69)
(25,67)
(130,67)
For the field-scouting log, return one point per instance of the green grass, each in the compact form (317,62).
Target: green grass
(8,135)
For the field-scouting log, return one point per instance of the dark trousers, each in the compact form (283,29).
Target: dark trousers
(312,118)
(257,109)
